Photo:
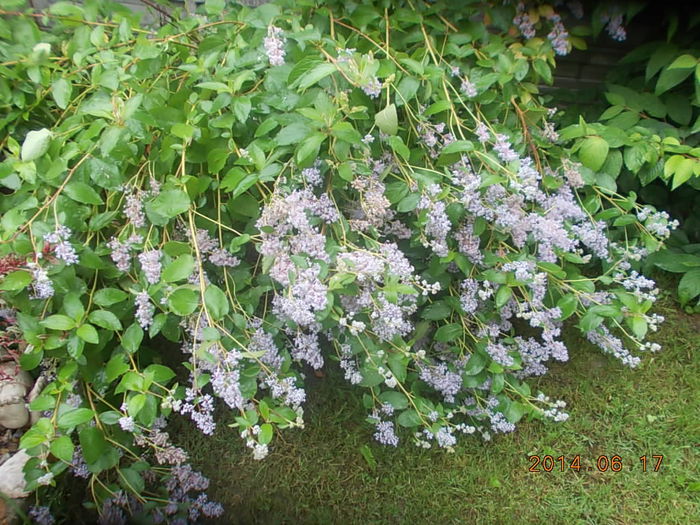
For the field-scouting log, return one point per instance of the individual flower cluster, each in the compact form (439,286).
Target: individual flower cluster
(62,248)
(274,46)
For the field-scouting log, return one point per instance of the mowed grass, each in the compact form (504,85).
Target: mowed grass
(318,475)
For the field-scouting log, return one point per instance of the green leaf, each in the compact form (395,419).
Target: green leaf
(130,478)
(93,444)
(684,62)
(35,144)
(308,79)
(161,374)
(593,152)
(567,304)
(109,296)
(503,296)
(216,302)
(105,319)
(458,146)
(17,280)
(73,306)
(387,120)
(238,181)
(61,91)
(183,301)
(309,148)
(409,418)
(168,204)
(683,172)
(638,326)
(81,192)
(115,367)
(448,332)
(182,130)
(399,147)
(62,448)
(292,134)
(58,322)
(689,286)
(437,311)
(219,87)
(476,364)
(408,203)
(670,78)
(266,433)
(88,334)
(75,417)
(396,399)
(178,270)
(132,337)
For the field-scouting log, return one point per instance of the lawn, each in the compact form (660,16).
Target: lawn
(319,475)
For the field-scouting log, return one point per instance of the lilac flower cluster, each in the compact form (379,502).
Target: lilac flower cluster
(373,88)
(614,27)
(523,21)
(62,249)
(151,266)
(274,46)
(437,224)
(200,407)
(121,251)
(42,286)
(559,36)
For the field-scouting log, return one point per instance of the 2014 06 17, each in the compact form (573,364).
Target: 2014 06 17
(602,463)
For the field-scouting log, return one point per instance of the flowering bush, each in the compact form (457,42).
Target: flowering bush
(278,190)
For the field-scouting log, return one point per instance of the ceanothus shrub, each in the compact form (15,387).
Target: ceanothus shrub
(285,189)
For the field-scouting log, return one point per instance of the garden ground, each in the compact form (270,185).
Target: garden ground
(319,474)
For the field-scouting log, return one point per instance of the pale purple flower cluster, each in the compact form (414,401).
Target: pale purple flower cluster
(441,378)
(274,46)
(62,249)
(437,224)
(144,309)
(373,88)
(78,467)
(554,412)
(503,148)
(42,286)
(468,88)
(558,36)
(386,434)
(657,222)
(121,251)
(348,364)
(182,481)
(200,407)
(306,348)
(499,353)
(151,266)
(41,515)
(482,132)
(133,210)
(523,21)
(610,344)
(614,26)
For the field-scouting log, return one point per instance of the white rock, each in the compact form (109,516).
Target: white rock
(12,482)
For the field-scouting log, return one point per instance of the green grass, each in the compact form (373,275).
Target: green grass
(318,475)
